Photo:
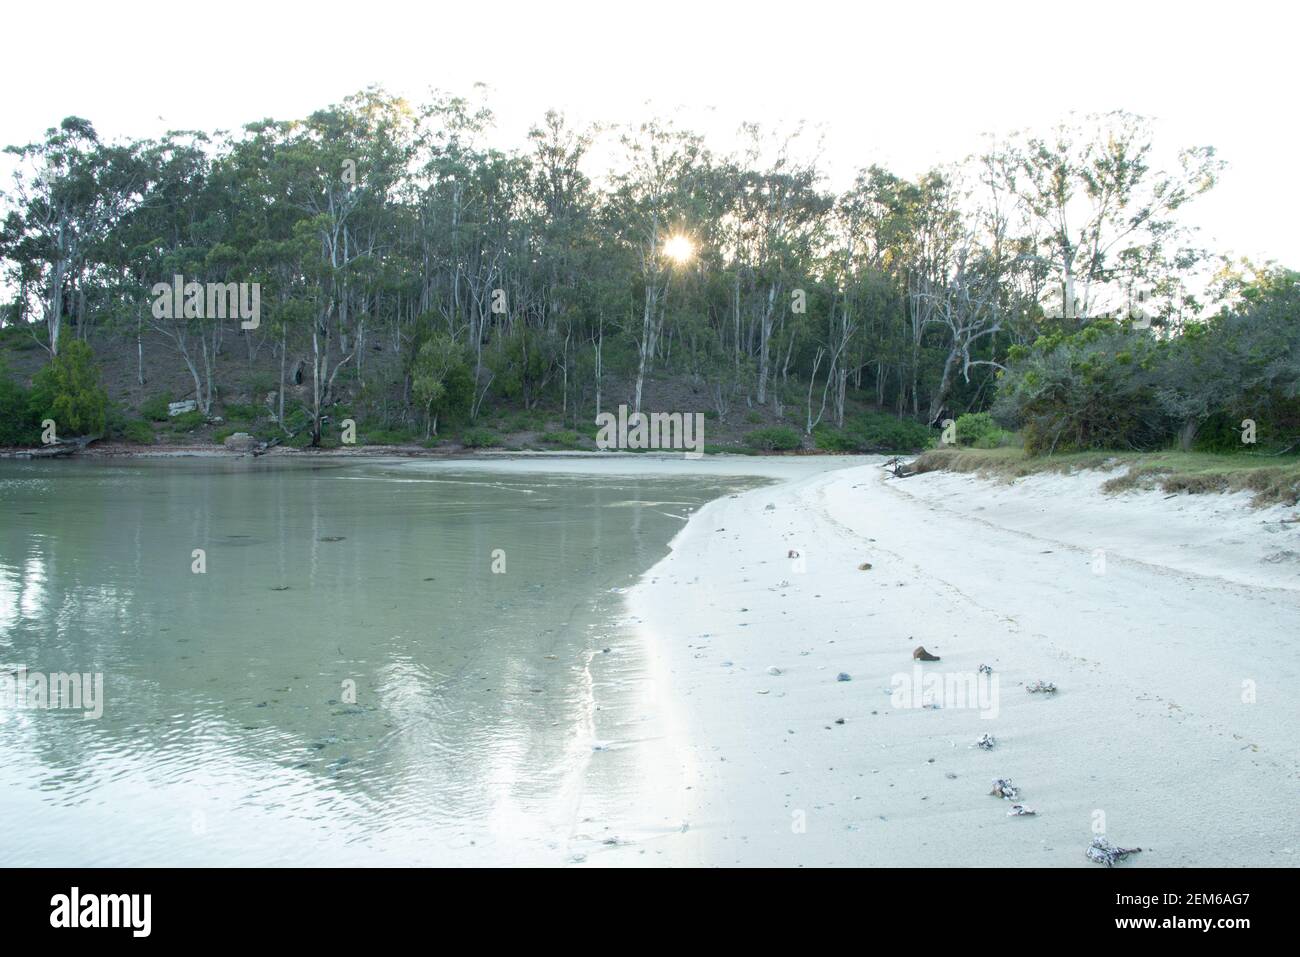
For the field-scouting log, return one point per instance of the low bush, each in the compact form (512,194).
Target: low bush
(386,436)
(138,431)
(243,412)
(18,425)
(154,408)
(776,438)
(564,439)
(67,390)
(874,433)
(187,421)
(479,439)
(978,429)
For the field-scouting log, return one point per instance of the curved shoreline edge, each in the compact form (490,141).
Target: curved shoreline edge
(1155,650)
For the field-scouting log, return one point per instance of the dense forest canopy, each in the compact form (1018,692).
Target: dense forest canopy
(410,269)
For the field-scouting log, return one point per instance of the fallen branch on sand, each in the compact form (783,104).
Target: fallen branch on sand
(899,468)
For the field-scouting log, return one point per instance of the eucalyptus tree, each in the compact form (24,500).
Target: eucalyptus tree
(338,169)
(68,192)
(1104,220)
(177,230)
(649,207)
(779,218)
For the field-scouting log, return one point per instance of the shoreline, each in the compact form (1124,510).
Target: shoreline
(1156,697)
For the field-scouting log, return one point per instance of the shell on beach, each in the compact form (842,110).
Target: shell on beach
(1021,810)
(1003,788)
(1041,687)
(986,742)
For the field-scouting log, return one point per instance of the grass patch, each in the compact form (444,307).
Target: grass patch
(479,439)
(387,436)
(187,421)
(564,439)
(1270,480)
(243,411)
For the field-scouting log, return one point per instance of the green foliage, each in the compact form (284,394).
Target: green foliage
(827,438)
(873,433)
(154,408)
(978,429)
(564,439)
(18,424)
(242,411)
(67,390)
(1090,389)
(479,439)
(441,381)
(138,431)
(1110,386)
(187,421)
(776,438)
(379,436)
(586,289)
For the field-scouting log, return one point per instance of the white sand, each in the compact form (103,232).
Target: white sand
(1148,737)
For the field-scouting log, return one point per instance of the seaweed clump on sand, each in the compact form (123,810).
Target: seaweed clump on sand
(1102,851)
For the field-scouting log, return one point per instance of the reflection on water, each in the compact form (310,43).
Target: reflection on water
(230,735)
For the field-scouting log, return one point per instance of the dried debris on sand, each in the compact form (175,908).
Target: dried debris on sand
(1003,788)
(1102,851)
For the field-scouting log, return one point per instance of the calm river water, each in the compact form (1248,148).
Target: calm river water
(379,662)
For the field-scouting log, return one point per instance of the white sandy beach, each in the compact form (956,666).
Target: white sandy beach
(1174,728)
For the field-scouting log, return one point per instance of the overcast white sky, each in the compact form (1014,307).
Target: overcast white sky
(907,84)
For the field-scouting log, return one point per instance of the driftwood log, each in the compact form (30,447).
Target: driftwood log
(899,468)
(60,448)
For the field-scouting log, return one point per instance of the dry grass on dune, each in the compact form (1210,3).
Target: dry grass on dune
(1271,480)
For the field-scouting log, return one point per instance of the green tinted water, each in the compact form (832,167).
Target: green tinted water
(347,680)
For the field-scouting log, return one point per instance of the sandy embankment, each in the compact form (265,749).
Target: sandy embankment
(1175,726)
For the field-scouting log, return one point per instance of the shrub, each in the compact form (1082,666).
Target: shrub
(776,438)
(566,439)
(479,439)
(386,436)
(154,408)
(1094,389)
(139,431)
(242,412)
(67,390)
(874,432)
(830,439)
(978,429)
(187,421)
(18,426)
